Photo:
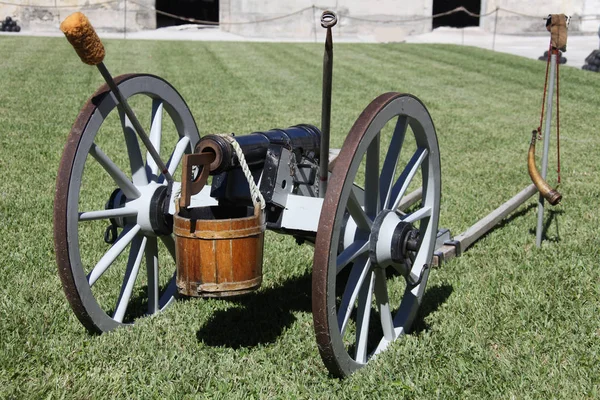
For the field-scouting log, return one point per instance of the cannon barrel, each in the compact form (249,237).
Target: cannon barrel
(302,140)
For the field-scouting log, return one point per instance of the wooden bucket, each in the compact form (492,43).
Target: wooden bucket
(219,250)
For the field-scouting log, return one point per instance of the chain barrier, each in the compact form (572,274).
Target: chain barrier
(84,7)
(340,15)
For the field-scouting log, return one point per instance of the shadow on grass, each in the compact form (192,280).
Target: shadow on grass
(259,318)
(506,221)
(552,217)
(433,298)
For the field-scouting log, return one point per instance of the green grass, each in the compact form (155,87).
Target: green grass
(505,320)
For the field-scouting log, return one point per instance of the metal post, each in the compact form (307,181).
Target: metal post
(328,20)
(540,222)
(125,20)
(57,11)
(495,25)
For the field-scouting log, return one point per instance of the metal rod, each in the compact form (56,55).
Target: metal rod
(543,171)
(495,25)
(328,20)
(136,123)
(125,20)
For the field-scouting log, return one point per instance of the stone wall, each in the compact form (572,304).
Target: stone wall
(528,15)
(385,20)
(105,15)
(382,20)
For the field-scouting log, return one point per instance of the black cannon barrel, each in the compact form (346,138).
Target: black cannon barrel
(300,139)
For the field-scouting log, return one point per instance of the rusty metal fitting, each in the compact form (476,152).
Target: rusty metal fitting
(328,19)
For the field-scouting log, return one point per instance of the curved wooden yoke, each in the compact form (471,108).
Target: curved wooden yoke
(82,36)
(552,195)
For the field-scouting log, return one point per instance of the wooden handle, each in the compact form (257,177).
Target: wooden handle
(82,36)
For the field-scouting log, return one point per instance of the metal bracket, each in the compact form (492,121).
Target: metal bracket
(456,245)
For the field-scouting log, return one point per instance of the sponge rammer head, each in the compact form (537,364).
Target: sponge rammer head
(82,36)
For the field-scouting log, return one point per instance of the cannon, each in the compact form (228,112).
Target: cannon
(192,211)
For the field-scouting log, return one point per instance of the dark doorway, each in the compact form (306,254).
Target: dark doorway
(459,19)
(202,10)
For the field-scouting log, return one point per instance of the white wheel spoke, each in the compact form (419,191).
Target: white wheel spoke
(155,138)
(178,153)
(121,180)
(391,161)
(372,178)
(152,270)
(406,177)
(357,213)
(133,267)
(355,282)
(350,253)
(421,213)
(138,169)
(408,308)
(106,214)
(362,321)
(384,343)
(383,304)
(169,243)
(112,254)
(168,294)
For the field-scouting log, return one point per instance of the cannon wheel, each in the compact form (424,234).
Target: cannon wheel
(99,279)
(351,324)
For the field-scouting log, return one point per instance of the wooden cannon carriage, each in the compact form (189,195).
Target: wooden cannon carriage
(372,217)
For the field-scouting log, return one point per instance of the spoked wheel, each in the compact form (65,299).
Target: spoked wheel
(372,261)
(109,219)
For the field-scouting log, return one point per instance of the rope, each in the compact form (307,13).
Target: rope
(446,13)
(255,193)
(521,14)
(539,129)
(199,21)
(557,119)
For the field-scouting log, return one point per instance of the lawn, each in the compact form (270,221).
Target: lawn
(505,320)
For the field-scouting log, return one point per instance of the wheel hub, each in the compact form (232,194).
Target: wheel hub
(391,241)
(150,208)
(161,223)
